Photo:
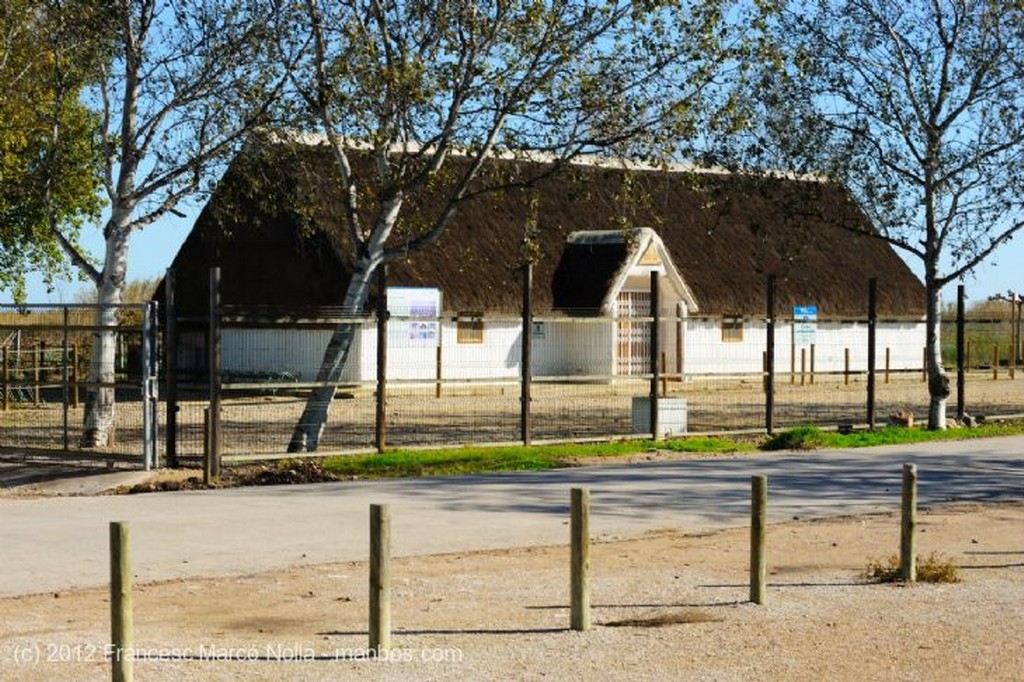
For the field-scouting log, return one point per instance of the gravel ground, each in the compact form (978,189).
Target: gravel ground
(670,605)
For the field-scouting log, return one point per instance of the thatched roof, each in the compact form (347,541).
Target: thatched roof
(275,227)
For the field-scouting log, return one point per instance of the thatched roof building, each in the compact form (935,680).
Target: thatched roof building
(275,227)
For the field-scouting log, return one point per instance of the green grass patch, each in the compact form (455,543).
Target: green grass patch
(471,460)
(812,438)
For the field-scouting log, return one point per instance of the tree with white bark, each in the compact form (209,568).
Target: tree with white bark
(186,81)
(413,83)
(917,108)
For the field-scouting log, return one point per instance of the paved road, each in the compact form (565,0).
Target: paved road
(57,543)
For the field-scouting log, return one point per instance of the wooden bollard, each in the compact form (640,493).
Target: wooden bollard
(380,579)
(579,532)
(908,525)
(121,626)
(758,530)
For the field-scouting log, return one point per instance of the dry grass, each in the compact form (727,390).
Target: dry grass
(931,569)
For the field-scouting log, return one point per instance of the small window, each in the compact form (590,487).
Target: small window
(732,329)
(470,328)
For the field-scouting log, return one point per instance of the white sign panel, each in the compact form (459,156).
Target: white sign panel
(805,324)
(414,316)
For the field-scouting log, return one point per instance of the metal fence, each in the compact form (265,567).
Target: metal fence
(465,378)
(45,356)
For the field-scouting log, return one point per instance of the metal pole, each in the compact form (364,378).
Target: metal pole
(655,354)
(769,384)
(872,321)
(527,356)
(960,358)
(380,419)
(171,361)
(215,377)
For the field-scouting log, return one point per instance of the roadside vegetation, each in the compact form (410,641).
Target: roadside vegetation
(480,459)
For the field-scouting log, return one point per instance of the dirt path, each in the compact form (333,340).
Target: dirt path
(668,606)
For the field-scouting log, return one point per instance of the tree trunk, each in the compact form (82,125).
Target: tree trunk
(98,424)
(306,436)
(938,381)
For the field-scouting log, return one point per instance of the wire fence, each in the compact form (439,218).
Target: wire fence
(465,379)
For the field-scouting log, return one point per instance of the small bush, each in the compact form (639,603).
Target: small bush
(803,438)
(931,569)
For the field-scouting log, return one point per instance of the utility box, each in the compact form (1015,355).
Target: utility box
(671,415)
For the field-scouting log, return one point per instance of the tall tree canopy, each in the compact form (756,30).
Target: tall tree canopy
(414,82)
(918,109)
(49,51)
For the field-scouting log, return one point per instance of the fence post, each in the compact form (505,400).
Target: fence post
(908,525)
(213,451)
(7,381)
(961,377)
(924,364)
(171,366)
(655,353)
(872,323)
(758,529)
(36,371)
(769,390)
(888,361)
(995,362)
(526,364)
(803,366)
(380,579)
(121,626)
(846,366)
(380,419)
(74,373)
(579,530)
(65,411)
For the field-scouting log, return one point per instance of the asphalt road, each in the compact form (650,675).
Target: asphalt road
(51,544)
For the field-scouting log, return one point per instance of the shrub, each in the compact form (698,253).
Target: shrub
(931,569)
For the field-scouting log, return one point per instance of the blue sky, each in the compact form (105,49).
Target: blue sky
(153,249)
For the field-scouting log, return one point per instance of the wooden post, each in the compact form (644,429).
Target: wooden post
(208,476)
(579,531)
(846,366)
(908,525)
(888,362)
(758,528)
(121,627)
(995,362)
(380,579)
(803,366)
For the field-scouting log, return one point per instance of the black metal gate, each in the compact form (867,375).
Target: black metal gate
(46,381)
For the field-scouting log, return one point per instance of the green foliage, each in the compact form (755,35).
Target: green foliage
(802,438)
(48,180)
(931,569)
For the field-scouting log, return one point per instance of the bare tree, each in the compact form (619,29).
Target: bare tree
(918,109)
(187,80)
(415,83)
